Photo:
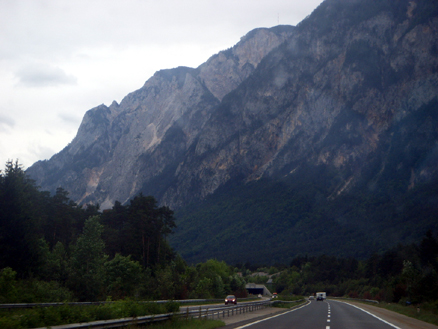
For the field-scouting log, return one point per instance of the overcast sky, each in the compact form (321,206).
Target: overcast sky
(60,58)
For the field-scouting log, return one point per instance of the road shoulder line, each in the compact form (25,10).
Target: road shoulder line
(271,317)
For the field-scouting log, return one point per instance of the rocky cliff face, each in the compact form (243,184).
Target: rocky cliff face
(120,149)
(333,94)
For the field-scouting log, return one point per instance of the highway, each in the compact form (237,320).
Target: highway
(328,314)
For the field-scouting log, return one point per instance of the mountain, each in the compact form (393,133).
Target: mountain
(319,138)
(120,148)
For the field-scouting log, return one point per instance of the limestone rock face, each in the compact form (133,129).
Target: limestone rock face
(225,71)
(120,149)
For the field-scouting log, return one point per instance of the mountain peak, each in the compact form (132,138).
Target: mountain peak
(175,101)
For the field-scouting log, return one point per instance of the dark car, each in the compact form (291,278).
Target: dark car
(320,298)
(230,299)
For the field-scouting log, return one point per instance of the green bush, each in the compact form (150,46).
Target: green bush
(8,289)
(11,322)
(42,291)
(171,307)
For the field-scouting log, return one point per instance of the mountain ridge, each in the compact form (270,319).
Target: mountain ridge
(138,124)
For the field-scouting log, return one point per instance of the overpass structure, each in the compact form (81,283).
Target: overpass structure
(257,289)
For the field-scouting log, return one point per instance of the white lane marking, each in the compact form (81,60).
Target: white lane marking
(328,315)
(250,324)
(388,323)
(328,320)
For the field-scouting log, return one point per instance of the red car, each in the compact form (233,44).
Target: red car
(230,299)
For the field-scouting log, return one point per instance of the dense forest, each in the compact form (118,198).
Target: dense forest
(53,250)
(293,217)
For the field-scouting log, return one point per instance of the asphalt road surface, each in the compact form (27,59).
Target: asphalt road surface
(328,314)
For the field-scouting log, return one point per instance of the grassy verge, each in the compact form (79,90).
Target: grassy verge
(285,301)
(289,298)
(65,314)
(428,312)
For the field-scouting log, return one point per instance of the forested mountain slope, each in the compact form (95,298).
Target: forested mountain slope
(334,138)
(325,142)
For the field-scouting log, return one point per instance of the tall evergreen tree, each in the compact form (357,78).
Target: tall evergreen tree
(20,219)
(87,261)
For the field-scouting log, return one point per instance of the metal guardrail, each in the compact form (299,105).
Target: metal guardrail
(208,313)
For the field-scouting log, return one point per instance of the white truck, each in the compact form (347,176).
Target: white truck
(321,296)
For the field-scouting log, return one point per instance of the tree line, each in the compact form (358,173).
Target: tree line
(406,274)
(54,250)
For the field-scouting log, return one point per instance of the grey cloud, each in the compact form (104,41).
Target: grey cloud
(70,118)
(6,121)
(43,75)
(41,152)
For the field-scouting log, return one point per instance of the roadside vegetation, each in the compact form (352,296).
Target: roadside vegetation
(289,298)
(65,314)
(427,312)
(288,301)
